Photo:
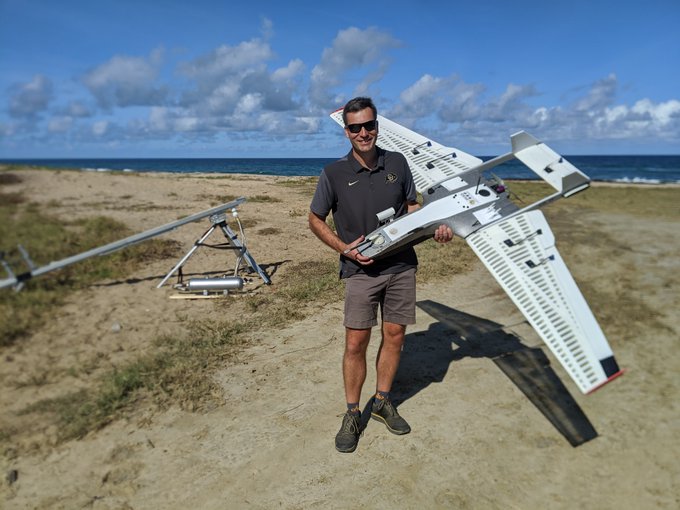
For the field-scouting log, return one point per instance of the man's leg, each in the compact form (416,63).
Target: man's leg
(386,366)
(389,353)
(398,310)
(354,362)
(354,375)
(362,297)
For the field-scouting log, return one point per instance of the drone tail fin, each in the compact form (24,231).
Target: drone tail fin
(548,164)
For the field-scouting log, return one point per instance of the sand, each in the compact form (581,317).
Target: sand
(477,440)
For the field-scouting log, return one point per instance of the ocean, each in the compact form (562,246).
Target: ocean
(630,169)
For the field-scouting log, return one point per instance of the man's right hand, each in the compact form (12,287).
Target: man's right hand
(352,253)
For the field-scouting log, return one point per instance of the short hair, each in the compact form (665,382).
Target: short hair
(356,105)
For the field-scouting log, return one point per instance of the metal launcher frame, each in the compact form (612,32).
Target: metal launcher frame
(217,217)
(219,220)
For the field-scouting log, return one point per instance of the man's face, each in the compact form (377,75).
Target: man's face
(363,141)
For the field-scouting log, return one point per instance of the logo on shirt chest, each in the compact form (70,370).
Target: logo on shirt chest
(391,178)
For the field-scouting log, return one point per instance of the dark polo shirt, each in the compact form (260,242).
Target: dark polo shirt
(356,194)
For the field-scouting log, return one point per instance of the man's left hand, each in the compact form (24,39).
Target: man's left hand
(443,234)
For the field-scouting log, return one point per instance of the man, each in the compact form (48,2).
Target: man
(369,180)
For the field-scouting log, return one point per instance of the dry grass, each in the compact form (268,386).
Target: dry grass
(180,369)
(302,185)
(49,240)
(581,241)
(9,178)
(440,260)
(177,372)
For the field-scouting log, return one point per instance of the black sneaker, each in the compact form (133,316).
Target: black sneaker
(347,438)
(384,411)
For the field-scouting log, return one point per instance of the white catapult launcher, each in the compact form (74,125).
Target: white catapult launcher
(515,244)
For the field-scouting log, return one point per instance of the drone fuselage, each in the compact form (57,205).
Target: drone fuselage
(465,203)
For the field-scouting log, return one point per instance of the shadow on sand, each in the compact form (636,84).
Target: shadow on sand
(458,335)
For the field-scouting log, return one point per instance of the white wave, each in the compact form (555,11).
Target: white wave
(96,169)
(638,180)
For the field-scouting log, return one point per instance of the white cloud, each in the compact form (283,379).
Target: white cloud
(465,113)
(60,124)
(644,119)
(353,50)
(423,97)
(77,109)
(661,114)
(449,99)
(600,96)
(127,81)
(187,124)
(233,87)
(228,61)
(289,73)
(100,128)
(30,99)
(267,28)
(248,104)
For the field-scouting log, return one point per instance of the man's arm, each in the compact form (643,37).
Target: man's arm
(318,225)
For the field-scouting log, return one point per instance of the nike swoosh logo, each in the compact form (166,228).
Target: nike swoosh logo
(352,183)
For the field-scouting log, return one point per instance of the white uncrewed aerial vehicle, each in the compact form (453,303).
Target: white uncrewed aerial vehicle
(515,244)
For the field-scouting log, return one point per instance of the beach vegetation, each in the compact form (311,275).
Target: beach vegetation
(302,185)
(523,193)
(9,178)
(222,199)
(653,201)
(269,231)
(179,369)
(262,199)
(437,260)
(47,238)
(298,212)
(246,223)
(12,198)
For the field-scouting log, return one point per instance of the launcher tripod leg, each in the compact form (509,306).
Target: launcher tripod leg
(186,257)
(243,252)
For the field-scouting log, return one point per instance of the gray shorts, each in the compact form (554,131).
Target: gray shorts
(395,293)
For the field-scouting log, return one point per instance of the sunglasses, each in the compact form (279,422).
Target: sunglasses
(371,125)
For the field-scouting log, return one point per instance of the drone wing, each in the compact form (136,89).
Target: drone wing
(520,253)
(431,162)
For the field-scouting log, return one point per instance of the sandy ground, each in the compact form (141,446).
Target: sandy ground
(477,441)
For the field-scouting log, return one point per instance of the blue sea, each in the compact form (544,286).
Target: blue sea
(630,169)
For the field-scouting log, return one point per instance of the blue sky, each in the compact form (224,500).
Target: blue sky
(168,78)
